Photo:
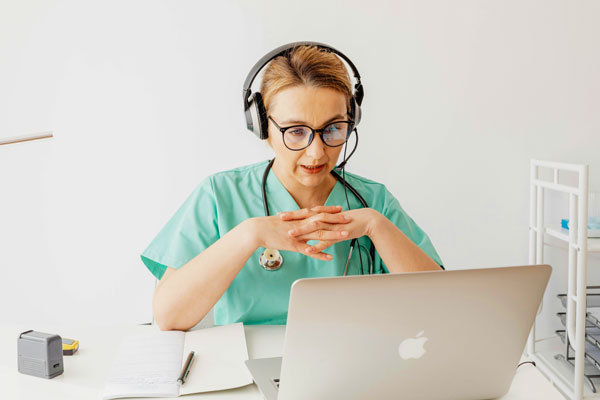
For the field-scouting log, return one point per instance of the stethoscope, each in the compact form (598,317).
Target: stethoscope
(272,260)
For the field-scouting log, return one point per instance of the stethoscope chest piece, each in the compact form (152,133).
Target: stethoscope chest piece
(271,259)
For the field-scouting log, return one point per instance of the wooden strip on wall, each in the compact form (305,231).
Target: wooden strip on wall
(25,138)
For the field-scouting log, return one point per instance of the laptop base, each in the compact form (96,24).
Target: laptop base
(265,372)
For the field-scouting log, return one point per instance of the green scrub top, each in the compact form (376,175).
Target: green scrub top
(256,295)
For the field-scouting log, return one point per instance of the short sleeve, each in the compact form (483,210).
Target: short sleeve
(394,212)
(192,229)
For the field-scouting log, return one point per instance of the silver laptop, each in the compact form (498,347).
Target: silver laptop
(425,335)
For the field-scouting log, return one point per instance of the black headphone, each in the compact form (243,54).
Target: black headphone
(254,108)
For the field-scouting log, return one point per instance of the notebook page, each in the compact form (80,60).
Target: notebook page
(147,365)
(219,355)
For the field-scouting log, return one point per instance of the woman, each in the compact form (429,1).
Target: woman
(212,251)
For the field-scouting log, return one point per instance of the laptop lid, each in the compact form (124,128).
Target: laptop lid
(455,334)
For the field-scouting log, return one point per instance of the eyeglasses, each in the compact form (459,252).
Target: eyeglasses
(298,137)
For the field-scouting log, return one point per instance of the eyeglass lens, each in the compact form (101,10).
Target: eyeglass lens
(298,137)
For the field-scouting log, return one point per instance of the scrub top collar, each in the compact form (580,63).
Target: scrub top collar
(282,200)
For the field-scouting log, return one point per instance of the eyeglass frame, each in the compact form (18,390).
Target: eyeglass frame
(312,132)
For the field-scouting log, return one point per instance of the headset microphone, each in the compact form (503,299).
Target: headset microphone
(343,163)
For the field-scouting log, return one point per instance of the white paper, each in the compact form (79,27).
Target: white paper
(219,355)
(147,365)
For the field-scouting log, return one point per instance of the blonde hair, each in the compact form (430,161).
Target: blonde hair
(309,66)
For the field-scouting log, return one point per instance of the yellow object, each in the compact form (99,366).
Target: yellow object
(69,346)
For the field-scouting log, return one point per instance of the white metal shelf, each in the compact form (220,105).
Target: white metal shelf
(558,372)
(568,378)
(593,244)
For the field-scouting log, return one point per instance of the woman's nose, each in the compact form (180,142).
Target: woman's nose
(316,150)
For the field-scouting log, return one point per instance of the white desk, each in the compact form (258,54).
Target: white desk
(86,371)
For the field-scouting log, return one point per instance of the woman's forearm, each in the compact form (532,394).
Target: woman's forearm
(397,251)
(185,297)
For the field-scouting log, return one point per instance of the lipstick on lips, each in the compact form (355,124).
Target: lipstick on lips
(312,169)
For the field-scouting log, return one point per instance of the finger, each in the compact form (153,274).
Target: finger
(320,222)
(308,212)
(296,214)
(302,245)
(324,235)
(327,209)
(309,227)
(321,256)
(331,218)
(319,247)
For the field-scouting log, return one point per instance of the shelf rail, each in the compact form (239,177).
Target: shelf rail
(577,258)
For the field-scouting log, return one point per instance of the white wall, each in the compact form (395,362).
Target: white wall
(144,99)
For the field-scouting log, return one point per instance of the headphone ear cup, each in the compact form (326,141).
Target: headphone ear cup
(249,113)
(355,111)
(256,117)
(261,113)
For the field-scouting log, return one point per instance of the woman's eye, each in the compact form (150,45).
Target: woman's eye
(332,129)
(296,132)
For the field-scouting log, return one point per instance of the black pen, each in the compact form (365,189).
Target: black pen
(186,368)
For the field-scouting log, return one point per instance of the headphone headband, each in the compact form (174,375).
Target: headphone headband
(281,50)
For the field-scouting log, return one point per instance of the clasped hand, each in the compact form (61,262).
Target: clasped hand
(291,230)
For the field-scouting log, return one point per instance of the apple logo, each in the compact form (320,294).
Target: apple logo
(413,347)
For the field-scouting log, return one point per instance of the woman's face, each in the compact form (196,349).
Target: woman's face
(315,107)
